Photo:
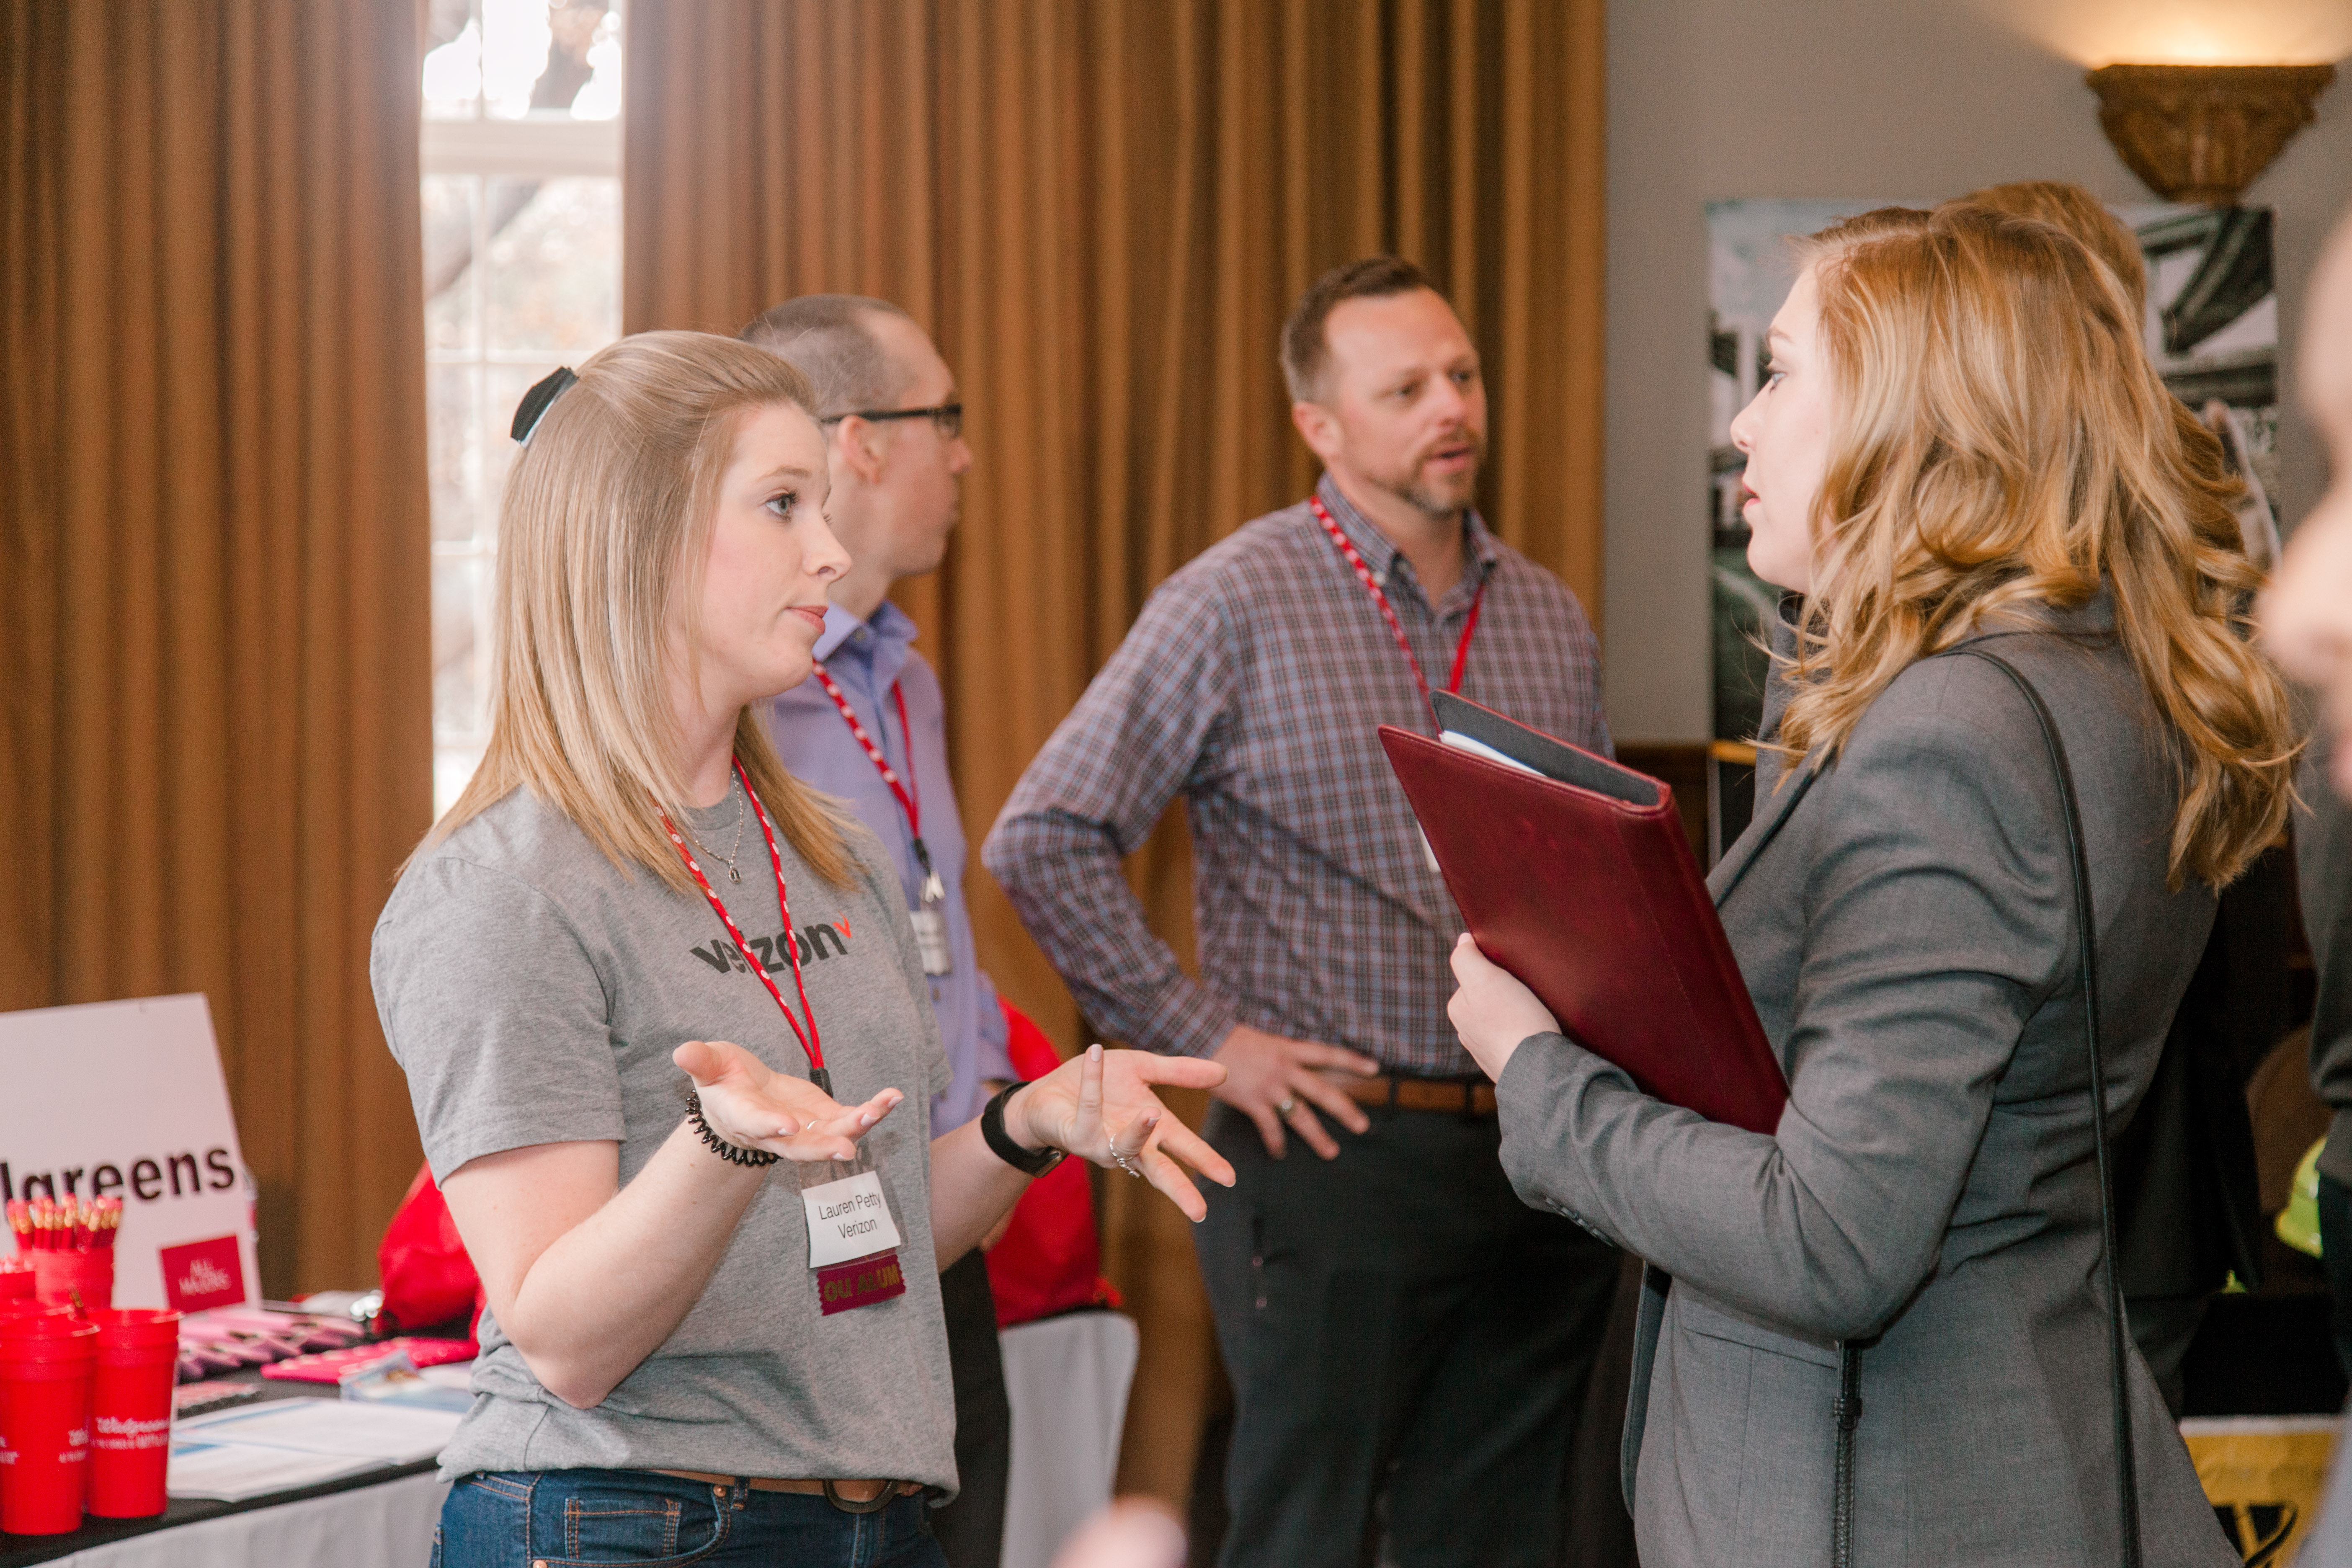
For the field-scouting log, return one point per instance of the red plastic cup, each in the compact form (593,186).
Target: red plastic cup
(45,1378)
(16,1280)
(131,1411)
(84,1280)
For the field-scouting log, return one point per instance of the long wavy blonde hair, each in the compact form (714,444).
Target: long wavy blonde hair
(603,532)
(2003,441)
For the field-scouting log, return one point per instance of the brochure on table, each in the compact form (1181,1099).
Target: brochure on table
(126,1099)
(231,1455)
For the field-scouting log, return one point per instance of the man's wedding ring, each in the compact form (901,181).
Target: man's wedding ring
(1285,1106)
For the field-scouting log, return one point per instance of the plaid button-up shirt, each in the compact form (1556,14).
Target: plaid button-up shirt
(1254,682)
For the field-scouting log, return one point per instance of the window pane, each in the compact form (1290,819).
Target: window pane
(507,384)
(600,99)
(453,447)
(516,59)
(452,65)
(522,273)
(459,597)
(453,769)
(554,287)
(452,325)
(541,59)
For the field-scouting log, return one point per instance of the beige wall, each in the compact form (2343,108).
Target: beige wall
(1851,98)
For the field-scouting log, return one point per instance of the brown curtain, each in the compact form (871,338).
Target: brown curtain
(214,605)
(1102,209)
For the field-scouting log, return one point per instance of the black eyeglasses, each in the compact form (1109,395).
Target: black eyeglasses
(948,417)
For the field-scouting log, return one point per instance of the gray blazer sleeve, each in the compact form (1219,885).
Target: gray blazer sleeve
(2323,848)
(1936,922)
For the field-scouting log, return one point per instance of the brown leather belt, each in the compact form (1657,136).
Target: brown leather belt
(1460,1097)
(858,1492)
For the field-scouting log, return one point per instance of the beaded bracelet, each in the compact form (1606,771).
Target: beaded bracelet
(719,1146)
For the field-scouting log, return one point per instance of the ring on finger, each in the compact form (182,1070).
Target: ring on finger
(1285,1105)
(1124,1161)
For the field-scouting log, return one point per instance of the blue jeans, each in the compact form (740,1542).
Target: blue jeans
(517,1519)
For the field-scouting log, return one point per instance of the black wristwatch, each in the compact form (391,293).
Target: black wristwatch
(1029,1161)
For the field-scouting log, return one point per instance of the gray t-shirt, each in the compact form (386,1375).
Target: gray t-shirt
(534,994)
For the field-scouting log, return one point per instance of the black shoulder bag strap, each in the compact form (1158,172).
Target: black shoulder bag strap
(1848,1405)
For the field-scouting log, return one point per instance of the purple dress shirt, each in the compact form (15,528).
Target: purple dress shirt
(864,658)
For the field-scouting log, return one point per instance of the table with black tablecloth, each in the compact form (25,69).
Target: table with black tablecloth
(382,1518)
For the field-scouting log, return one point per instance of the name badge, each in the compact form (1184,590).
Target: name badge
(849,1218)
(932,938)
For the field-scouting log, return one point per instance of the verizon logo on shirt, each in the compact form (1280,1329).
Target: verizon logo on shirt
(816,943)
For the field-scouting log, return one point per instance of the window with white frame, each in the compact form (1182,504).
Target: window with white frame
(521,158)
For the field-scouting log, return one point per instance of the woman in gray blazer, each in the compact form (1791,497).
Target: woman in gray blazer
(1960,445)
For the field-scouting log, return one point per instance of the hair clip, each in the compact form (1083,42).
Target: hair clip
(534,404)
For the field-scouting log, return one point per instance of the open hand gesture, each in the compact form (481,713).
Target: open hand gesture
(752,1105)
(1100,1106)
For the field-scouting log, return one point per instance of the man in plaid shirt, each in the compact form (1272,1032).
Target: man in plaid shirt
(1393,1319)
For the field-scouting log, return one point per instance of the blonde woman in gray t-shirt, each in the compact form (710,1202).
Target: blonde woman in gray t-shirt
(657,1001)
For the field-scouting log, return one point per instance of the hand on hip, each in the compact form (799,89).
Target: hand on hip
(1279,1083)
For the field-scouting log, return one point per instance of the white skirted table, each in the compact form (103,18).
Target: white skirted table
(1067,1379)
(382,1523)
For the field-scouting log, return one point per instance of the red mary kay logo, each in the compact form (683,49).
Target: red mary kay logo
(202,1274)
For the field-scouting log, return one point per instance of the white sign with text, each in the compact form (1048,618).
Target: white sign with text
(126,1099)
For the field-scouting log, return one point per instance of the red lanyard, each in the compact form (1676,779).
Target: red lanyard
(910,798)
(1364,575)
(811,1046)
(904,789)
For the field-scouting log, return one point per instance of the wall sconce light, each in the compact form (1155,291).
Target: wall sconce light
(2202,133)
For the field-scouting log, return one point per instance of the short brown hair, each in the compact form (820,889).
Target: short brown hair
(2075,211)
(829,338)
(1306,346)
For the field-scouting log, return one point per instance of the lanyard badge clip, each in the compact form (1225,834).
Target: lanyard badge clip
(929,918)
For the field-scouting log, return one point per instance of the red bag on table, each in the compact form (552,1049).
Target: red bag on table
(428,1278)
(1049,1258)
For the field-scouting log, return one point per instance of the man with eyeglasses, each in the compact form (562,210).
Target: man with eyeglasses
(868,727)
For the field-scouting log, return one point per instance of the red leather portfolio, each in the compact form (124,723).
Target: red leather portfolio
(1576,878)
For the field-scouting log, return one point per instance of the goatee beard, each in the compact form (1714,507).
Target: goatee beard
(1428,501)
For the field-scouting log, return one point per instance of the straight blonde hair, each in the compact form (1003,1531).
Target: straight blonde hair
(603,532)
(2003,441)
